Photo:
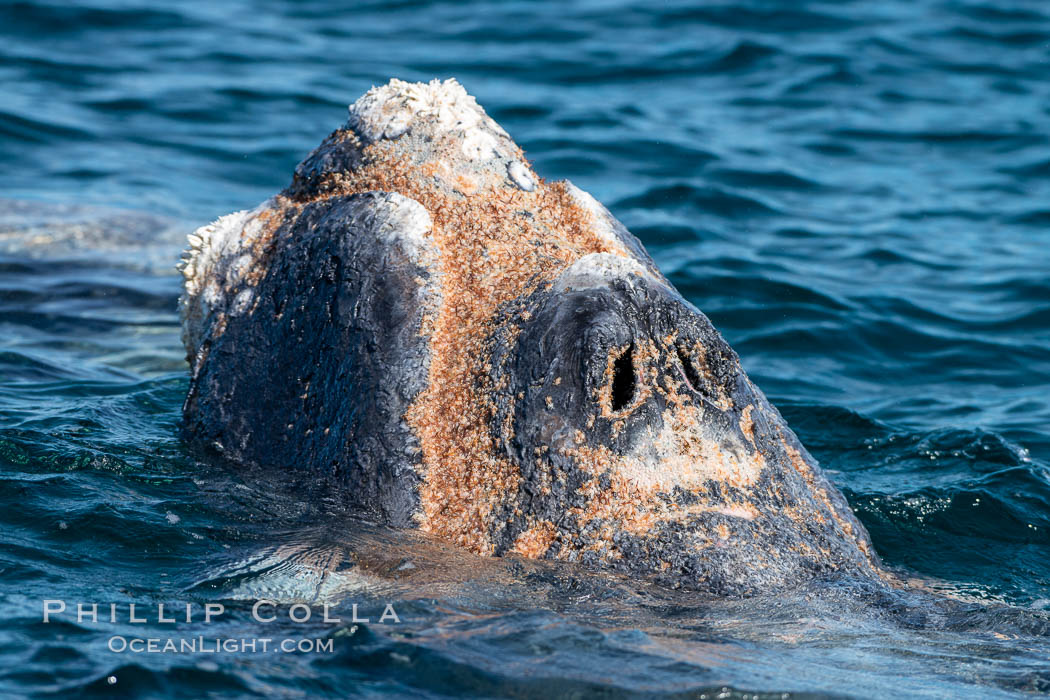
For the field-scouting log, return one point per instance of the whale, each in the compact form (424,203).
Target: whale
(461,347)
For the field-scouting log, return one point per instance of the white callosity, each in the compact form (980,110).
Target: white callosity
(522,176)
(405,222)
(222,255)
(388,111)
(217,262)
(602,218)
(432,111)
(597,269)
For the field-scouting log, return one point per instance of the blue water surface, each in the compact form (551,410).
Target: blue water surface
(856,193)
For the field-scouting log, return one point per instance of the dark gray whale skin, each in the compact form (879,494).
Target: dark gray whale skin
(606,421)
(568,337)
(336,321)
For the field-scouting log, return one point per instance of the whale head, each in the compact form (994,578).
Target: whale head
(468,349)
(640,442)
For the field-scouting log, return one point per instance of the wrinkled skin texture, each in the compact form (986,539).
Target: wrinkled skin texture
(745,530)
(495,360)
(323,368)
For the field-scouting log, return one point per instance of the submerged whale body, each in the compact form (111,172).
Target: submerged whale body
(495,360)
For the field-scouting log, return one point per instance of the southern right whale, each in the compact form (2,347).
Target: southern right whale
(494,359)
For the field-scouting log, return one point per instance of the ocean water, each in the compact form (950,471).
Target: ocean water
(857,194)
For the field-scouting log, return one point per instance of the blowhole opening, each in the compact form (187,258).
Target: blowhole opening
(691,376)
(623,383)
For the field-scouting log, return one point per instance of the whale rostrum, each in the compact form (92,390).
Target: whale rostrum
(494,359)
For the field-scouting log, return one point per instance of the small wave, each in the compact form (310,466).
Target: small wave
(1020,38)
(744,55)
(36,129)
(706,199)
(1036,217)
(821,78)
(735,16)
(969,138)
(1039,168)
(987,12)
(31,18)
(763,179)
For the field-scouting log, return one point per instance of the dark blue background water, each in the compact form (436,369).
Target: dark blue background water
(857,194)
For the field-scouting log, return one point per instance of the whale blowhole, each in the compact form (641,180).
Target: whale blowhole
(623,381)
